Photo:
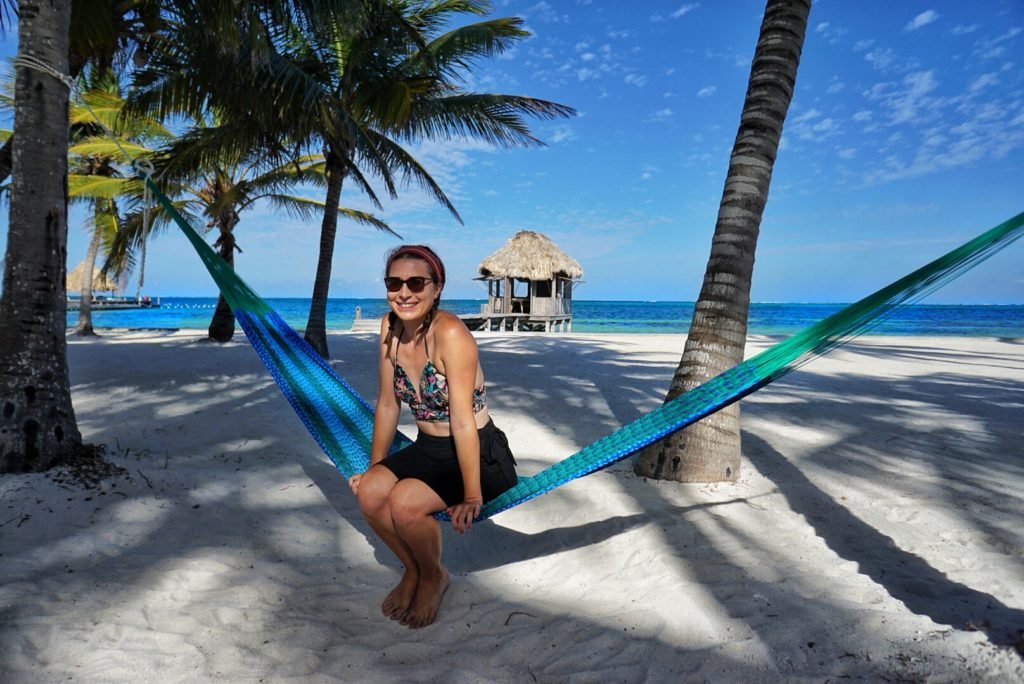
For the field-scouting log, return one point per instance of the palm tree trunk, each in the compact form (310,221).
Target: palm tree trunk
(709,451)
(6,158)
(222,327)
(85,300)
(75,67)
(316,326)
(37,421)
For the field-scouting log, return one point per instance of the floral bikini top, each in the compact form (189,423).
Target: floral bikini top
(432,404)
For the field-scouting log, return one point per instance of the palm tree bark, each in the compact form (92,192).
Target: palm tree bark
(222,327)
(709,451)
(316,326)
(37,421)
(6,158)
(85,300)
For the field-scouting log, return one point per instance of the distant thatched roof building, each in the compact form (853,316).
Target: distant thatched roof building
(530,256)
(99,282)
(548,273)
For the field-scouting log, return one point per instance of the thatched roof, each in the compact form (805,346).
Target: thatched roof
(99,283)
(532,256)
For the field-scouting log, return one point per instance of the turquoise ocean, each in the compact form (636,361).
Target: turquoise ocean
(605,316)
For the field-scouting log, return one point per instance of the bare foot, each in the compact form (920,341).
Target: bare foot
(396,604)
(429,593)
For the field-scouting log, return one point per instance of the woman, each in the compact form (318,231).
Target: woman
(460,460)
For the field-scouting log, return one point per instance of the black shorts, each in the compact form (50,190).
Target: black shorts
(432,460)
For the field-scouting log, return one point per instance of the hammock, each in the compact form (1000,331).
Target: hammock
(341,421)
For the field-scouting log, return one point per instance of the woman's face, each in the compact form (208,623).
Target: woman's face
(409,305)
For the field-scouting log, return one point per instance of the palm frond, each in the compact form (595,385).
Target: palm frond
(413,172)
(495,119)
(102,187)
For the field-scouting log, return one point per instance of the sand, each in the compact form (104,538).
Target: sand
(875,533)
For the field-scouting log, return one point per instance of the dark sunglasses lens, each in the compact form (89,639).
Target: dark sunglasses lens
(415,284)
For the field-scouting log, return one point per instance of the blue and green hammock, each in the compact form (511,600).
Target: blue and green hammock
(341,421)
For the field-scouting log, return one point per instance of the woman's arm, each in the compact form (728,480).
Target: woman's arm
(459,358)
(385,416)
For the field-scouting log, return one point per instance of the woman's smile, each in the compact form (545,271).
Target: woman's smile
(406,304)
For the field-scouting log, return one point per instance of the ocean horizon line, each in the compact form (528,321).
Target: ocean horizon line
(690,302)
(596,316)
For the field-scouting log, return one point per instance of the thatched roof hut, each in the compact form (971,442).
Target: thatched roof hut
(99,282)
(548,273)
(530,256)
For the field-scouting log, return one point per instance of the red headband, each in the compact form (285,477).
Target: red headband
(424,254)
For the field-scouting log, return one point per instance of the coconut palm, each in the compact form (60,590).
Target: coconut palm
(352,79)
(215,191)
(226,186)
(37,421)
(398,78)
(103,35)
(709,451)
(102,135)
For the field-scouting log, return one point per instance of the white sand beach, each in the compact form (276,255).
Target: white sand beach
(876,532)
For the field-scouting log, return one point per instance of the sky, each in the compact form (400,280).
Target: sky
(905,139)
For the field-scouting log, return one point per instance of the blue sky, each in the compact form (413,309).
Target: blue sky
(905,138)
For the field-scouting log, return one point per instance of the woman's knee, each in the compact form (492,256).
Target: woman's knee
(411,501)
(374,489)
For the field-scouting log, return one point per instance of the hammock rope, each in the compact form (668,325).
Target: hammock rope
(341,421)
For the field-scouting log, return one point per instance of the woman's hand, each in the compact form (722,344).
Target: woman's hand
(463,514)
(353,483)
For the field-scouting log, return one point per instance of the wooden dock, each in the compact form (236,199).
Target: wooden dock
(499,322)
(518,322)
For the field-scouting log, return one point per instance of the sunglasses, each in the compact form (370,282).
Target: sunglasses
(415,284)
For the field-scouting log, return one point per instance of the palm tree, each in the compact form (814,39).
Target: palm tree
(103,35)
(193,169)
(230,184)
(97,155)
(351,78)
(37,421)
(709,451)
(398,77)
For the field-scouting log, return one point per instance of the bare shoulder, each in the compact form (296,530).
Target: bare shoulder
(449,329)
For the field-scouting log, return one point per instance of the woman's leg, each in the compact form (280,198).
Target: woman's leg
(375,489)
(412,504)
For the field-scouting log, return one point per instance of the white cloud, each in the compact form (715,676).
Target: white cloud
(822,27)
(984,81)
(561,134)
(990,49)
(881,58)
(862,45)
(542,11)
(684,10)
(961,30)
(659,116)
(921,20)
(904,100)
(707,91)
(862,115)
(636,80)
(807,116)
(847,153)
